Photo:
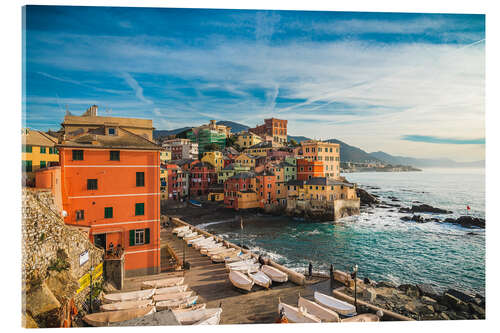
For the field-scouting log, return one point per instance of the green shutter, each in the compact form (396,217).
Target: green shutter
(132,237)
(146,236)
(139,209)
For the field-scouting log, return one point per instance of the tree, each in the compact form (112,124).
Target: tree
(212,147)
(293,143)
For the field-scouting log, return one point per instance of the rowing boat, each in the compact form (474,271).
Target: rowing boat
(176,303)
(105,318)
(275,274)
(171,296)
(207,241)
(195,237)
(174,289)
(161,283)
(239,263)
(335,304)
(225,253)
(195,316)
(191,234)
(325,314)
(240,257)
(192,308)
(129,296)
(246,268)
(297,315)
(212,319)
(217,250)
(204,249)
(178,229)
(199,239)
(222,257)
(260,279)
(362,318)
(126,305)
(240,280)
(181,233)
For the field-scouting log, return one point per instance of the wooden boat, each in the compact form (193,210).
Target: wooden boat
(129,296)
(196,240)
(126,305)
(195,203)
(176,230)
(297,315)
(248,268)
(218,250)
(190,234)
(239,263)
(174,289)
(195,316)
(161,283)
(222,257)
(362,318)
(105,318)
(212,319)
(197,245)
(240,280)
(335,304)
(171,296)
(176,303)
(260,279)
(325,314)
(226,253)
(195,237)
(192,308)
(241,257)
(181,233)
(275,274)
(204,249)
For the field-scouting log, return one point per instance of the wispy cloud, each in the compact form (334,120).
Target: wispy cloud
(137,88)
(451,141)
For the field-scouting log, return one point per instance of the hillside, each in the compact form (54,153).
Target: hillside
(425,162)
(235,127)
(352,154)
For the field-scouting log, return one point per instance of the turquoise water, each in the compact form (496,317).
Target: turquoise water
(383,246)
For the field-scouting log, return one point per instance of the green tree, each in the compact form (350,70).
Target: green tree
(293,143)
(212,147)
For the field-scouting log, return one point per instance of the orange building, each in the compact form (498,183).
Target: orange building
(309,169)
(272,127)
(109,183)
(328,153)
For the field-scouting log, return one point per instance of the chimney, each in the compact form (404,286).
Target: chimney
(93,110)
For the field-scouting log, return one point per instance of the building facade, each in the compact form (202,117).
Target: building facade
(307,169)
(181,149)
(247,139)
(246,160)
(328,153)
(276,128)
(214,158)
(229,171)
(38,152)
(202,179)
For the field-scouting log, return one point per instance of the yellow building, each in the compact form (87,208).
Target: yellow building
(246,160)
(328,153)
(163,183)
(248,139)
(214,158)
(38,152)
(321,189)
(260,149)
(216,196)
(165,156)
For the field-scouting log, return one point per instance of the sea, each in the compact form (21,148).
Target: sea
(384,247)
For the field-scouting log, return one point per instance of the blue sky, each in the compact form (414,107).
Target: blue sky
(407,84)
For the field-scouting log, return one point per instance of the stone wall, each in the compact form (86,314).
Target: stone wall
(51,255)
(343,208)
(322,210)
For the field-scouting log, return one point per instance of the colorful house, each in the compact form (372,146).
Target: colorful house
(214,158)
(202,179)
(309,169)
(165,156)
(260,149)
(247,139)
(276,128)
(229,171)
(240,191)
(38,152)
(325,152)
(246,160)
(290,170)
(321,189)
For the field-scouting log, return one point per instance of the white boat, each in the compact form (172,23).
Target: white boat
(105,318)
(161,283)
(192,307)
(275,274)
(297,315)
(181,233)
(213,319)
(129,296)
(178,229)
(217,250)
(222,257)
(240,280)
(174,289)
(335,304)
(207,241)
(176,303)
(248,268)
(192,238)
(204,249)
(194,316)
(260,279)
(198,238)
(326,315)
(364,317)
(239,263)
(126,305)
(190,234)
(241,257)
(226,253)
(172,296)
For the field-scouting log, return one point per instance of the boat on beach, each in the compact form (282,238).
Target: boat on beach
(242,256)
(225,253)
(221,249)
(178,229)
(193,316)
(101,319)
(174,289)
(260,279)
(129,296)
(212,319)
(182,233)
(190,234)
(204,249)
(161,283)
(325,314)
(239,263)
(126,305)
(192,238)
(198,245)
(364,317)
(246,268)
(240,280)
(195,203)
(297,315)
(198,240)
(176,303)
(275,274)
(172,296)
(335,304)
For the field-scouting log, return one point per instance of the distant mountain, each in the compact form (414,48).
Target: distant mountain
(352,154)
(235,127)
(425,162)
(298,138)
(162,133)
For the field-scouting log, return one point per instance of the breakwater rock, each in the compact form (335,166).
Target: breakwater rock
(464,221)
(422,302)
(424,208)
(366,198)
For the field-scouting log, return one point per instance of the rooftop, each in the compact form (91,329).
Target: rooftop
(97,139)
(37,138)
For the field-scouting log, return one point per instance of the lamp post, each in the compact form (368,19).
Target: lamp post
(354,274)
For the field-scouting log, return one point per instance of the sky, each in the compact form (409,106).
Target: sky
(406,84)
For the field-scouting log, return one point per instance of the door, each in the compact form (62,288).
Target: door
(100,240)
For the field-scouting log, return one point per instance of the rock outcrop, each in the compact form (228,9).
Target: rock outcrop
(424,208)
(366,198)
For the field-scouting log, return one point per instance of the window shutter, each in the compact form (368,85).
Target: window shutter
(146,236)
(132,237)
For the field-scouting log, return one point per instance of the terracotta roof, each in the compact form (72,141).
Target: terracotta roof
(37,138)
(243,175)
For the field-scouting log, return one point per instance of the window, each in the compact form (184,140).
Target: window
(139,209)
(43,164)
(27,166)
(79,215)
(77,155)
(91,184)
(114,155)
(108,212)
(51,150)
(27,149)
(139,236)
(139,179)
(42,150)
(111,131)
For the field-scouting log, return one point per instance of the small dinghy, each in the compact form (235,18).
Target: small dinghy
(297,315)
(222,257)
(194,316)
(129,296)
(172,296)
(275,274)
(181,233)
(260,279)
(239,263)
(212,319)
(127,305)
(240,280)
(246,268)
(218,250)
(198,245)
(176,230)
(241,257)
(205,250)
(105,318)
(325,314)
(174,289)
(192,308)
(194,237)
(197,239)
(176,303)
(191,234)
(335,304)
(162,283)
(362,318)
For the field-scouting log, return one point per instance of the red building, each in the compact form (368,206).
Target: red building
(266,188)
(275,128)
(174,174)
(239,191)
(203,178)
(309,169)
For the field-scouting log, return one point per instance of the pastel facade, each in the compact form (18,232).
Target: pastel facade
(181,149)
(229,171)
(38,151)
(246,160)
(260,149)
(214,158)
(276,128)
(165,156)
(240,191)
(307,169)
(322,189)
(247,139)
(202,179)
(327,153)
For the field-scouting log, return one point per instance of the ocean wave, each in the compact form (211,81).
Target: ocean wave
(204,225)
